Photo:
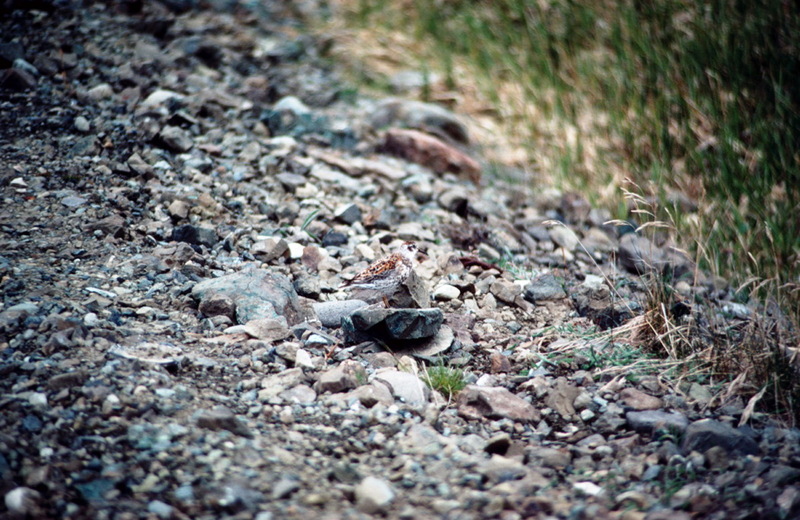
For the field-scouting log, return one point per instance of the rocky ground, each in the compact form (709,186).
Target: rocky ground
(184,189)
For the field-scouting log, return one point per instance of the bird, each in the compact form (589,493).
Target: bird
(386,274)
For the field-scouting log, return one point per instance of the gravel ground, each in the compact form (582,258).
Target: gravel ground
(185,186)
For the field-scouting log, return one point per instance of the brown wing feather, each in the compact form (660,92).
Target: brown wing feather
(381,269)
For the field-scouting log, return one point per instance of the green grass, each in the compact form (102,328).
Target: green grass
(446,380)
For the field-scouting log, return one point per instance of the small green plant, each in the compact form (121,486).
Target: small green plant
(446,380)
(675,477)
(307,222)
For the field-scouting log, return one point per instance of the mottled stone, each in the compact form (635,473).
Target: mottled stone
(638,400)
(494,403)
(222,418)
(257,293)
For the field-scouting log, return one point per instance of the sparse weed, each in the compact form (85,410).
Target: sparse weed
(448,381)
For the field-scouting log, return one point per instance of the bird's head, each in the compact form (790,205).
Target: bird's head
(409,250)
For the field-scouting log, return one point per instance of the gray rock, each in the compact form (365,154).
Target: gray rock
(68,379)
(475,402)
(195,235)
(10,52)
(175,139)
(99,92)
(267,329)
(455,200)
(178,210)
(505,291)
(222,418)
(427,349)
(639,254)
(542,456)
(650,420)
(707,433)
(638,400)
(307,286)
(274,385)
(373,495)
(257,293)
(414,231)
(413,293)
(562,398)
(544,288)
(348,375)
(330,314)
(82,125)
(789,502)
(73,201)
(348,213)
(21,64)
(16,314)
(564,237)
(159,97)
(421,439)
(394,326)
(139,165)
(291,181)
(285,487)
(218,305)
(269,249)
(372,394)
(422,116)
(301,394)
(17,79)
(291,104)
(405,386)
(700,394)
(160,509)
(737,310)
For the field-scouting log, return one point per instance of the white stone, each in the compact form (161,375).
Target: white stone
(101,91)
(23,501)
(446,292)
(564,237)
(366,252)
(160,96)
(588,488)
(295,250)
(304,359)
(38,399)
(373,495)
(405,386)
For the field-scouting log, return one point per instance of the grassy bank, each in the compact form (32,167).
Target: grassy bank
(697,104)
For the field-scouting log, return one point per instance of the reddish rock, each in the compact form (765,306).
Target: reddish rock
(475,402)
(424,149)
(344,377)
(218,305)
(500,363)
(639,400)
(562,397)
